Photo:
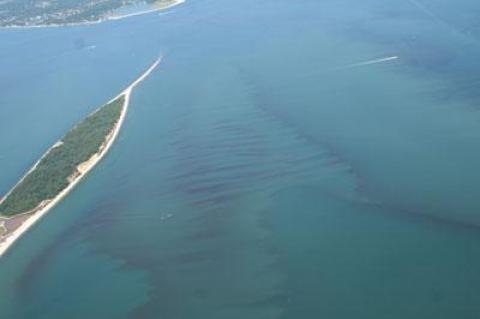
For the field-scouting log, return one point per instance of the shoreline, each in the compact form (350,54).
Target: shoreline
(11,238)
(107,18)
(119,17)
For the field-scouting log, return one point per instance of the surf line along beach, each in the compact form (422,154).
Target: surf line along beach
(14,223)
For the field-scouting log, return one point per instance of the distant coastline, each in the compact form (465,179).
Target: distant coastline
(108,17)
(159,8)
(14,227)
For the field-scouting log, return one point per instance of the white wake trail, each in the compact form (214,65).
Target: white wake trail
(370,62)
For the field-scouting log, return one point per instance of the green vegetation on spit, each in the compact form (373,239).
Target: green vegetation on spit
(52,173)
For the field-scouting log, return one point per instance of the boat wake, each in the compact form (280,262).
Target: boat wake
(370,62)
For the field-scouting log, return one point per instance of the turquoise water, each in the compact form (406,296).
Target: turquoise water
(258,173)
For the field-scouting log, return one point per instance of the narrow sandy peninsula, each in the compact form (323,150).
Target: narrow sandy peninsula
(62,167)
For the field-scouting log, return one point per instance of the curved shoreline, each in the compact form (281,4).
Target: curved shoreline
(10,239)
(107,18)
(173,4)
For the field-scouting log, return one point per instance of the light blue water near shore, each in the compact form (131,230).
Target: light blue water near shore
(258,173)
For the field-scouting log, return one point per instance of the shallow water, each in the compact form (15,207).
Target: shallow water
(258,173)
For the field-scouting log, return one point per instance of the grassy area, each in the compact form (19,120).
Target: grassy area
(3,229)
(50,177)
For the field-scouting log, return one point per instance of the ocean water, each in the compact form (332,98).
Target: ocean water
(265,169)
